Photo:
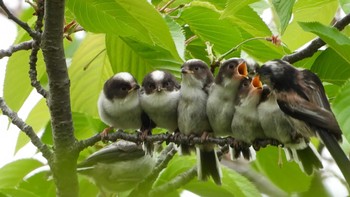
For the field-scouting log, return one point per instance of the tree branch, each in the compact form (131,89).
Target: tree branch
(14,48)
(22,24)
(28,130)
(168,137)
(315,44)
(33,58)
(163,160)
(65,155)
(179,181)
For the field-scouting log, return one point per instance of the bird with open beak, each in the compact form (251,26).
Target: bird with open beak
(301,96)
(245,124)
(222,96)
(159,96)
(192,118)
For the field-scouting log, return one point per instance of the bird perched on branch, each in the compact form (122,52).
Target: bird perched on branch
(222,95)
(276,125)
(192,118)
(117,167)
(159,98)
(301,96)
(119,105)
(245,123)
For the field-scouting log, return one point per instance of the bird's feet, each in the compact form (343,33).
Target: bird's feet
(104,133)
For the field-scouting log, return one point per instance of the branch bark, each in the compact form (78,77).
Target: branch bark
(315,44)
(28,130)
(14,48)
(63,165)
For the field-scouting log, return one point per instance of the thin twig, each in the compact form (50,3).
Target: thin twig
(33,58)
(28,130)
(14,48)
(22,24)
(163,160)
(166,5)
(315,44)
(179,181)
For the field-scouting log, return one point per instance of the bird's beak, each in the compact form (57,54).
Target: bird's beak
(159,89)
(256,82)
(241,70)
(185,70)
(135,87)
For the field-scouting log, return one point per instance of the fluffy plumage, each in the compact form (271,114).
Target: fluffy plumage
(193,120)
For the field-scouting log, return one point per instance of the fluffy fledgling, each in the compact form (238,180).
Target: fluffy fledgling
(222,95)
(192,118)
(301,96)
(245,123)
(117,167)
(119,104)
(159,98)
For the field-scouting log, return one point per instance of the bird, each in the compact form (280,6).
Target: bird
(192,118)
(245,125)
(118,167)
(301,96)
(222,95)
(276,125)
(159,97)
(119,106)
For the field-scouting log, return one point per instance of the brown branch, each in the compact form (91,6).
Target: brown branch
(33,58)
(65,156)
(22,24)
(28,130)
(163,160)
(315,44)
(14,48)
(179,181)
(167,137)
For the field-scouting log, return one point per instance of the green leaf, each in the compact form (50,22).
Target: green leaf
(322,11)
(142,58)
(307,62)
(86,126)
(345,5)
(331,67)
(18,192)
(204,21)
(267,163)
(39,183)
(283,9)
(135,19)
(341,109)
(234,6)
(89,70)
(178,36)
(38,119)
(13,173)
(335,39)
(17,83)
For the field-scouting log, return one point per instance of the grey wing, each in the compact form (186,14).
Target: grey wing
(114,153)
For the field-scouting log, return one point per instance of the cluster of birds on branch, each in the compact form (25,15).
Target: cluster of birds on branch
(290,108)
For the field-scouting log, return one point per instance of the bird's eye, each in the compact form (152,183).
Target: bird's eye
(246,83)
(124,88)
(151,86)
(165,84)
(196,68)
(230,66)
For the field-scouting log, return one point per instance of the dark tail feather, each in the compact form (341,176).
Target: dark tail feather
(185,149)
(309,159)
(337,153)
(208,165)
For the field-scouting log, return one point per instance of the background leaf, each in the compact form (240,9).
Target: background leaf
(335,39)
(284,12)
